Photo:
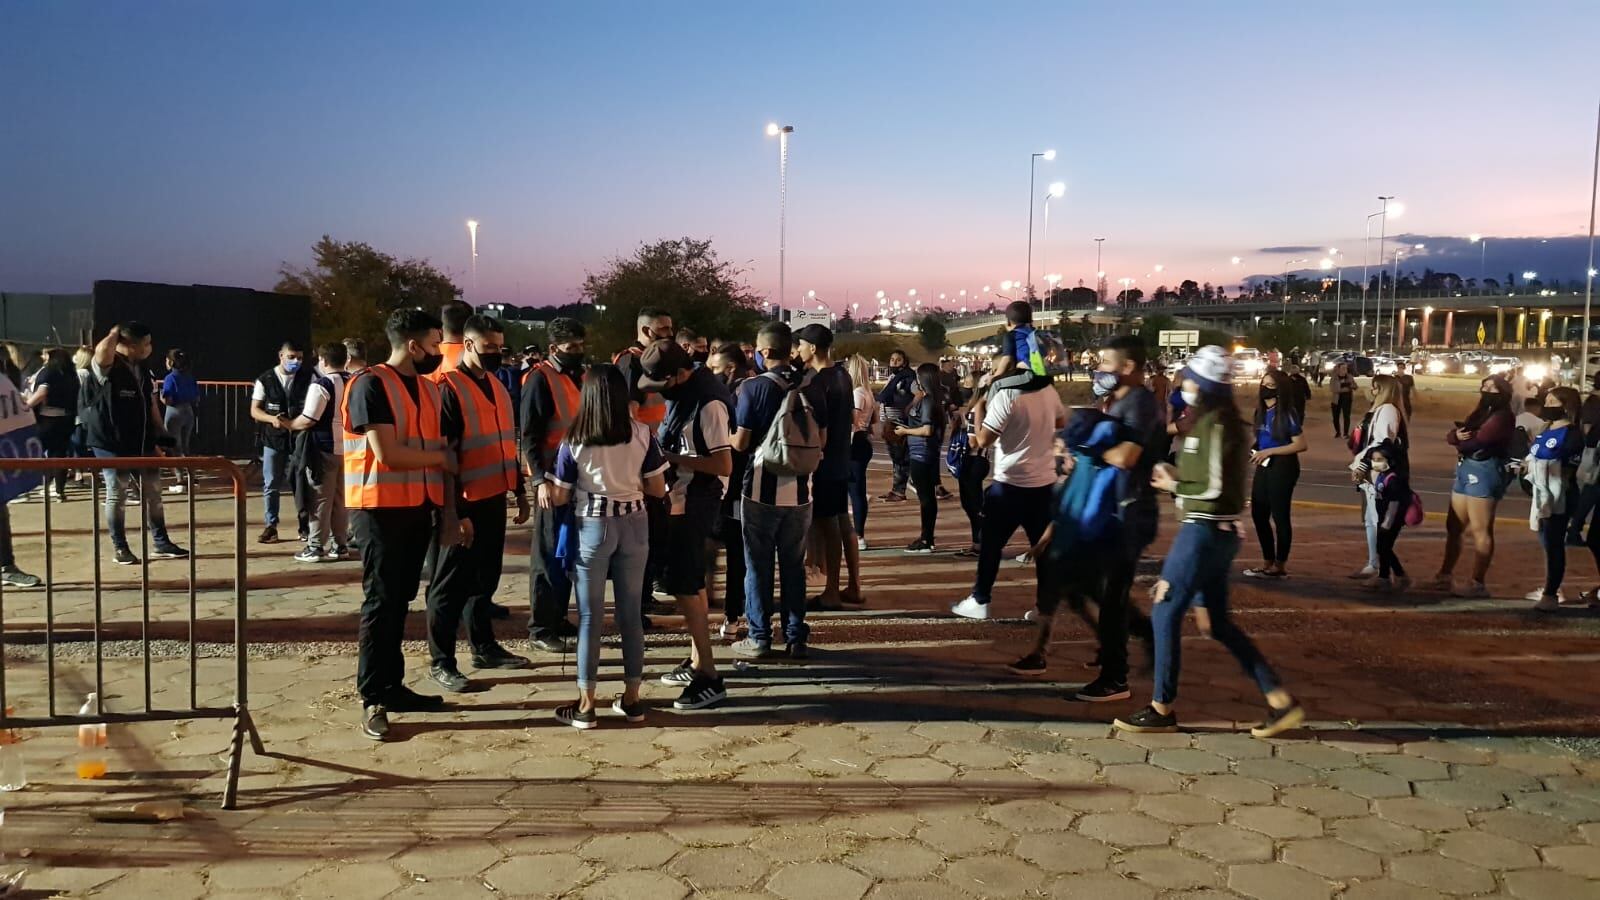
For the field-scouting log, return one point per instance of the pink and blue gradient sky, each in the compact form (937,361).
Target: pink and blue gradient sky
(206,142)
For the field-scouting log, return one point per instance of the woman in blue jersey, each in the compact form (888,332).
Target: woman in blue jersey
(1276,462)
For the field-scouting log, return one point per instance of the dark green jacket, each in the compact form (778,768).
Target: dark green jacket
(1213,469)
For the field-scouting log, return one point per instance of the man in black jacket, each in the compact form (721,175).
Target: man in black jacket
(276,401)
(543,423)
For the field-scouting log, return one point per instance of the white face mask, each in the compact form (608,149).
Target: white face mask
(1380,465)
(1191,398)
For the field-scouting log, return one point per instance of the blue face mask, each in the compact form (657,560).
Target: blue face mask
(1103,383)
(291,366)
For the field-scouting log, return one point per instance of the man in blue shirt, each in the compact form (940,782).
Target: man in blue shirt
(775,509)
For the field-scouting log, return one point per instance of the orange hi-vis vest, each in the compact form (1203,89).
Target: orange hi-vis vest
(488,464)
(652,410)
(451,351)
(565,396)
(368,483)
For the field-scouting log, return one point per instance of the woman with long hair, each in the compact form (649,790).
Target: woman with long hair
(54,399)
(866,415)
(1551,468)
(1384,421)
(605,467)
(1208,483)
(1276,458)
(180,393)
(924,433)
(1482,442)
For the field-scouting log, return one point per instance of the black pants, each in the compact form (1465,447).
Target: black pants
(660,515)
(55,436)
(1553,535)
(731,535)
(549,588)
(465,582)
(1388,562)
(971,486)
(899,458)
(1341,413)
(1007,507)
(1270,496)
(394,544)
(1118,616)
(925,478)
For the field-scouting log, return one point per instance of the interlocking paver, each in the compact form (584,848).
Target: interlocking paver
(1388,889)
(1274,771)
(1099,886)
(1378,835)
(1031,815)
(917,890)
(335,881)
(1574,810)
(722,867)
(1055,852)
(1233,790)
(1325,803)
(632,885)
(818,881)
(964,838)
(1183,809)
(1332,858)
(896,859)
(994,876)
(1369,784)
(1420,813)
(645,850)
(1189,762)
(1410,768)
(1125,829)
(1581,860)
(1142,778)
(1166,868)
(1547,884)
(1277,822)
(1461,794)
(1273,881)
(1448,875)
(1318,756)
(1226,843)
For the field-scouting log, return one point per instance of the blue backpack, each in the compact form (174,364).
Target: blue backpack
(955,453)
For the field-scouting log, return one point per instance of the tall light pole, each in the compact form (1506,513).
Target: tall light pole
(1332,262)
(1588,285)
(1099,271)
(1483,254)
(1056,191)
(1394,295)
(782,132)
(472,240)
(1286,286)
(1366,282)
(1033,165)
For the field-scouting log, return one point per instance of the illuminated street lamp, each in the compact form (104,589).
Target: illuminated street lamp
(1033,161)
(1483,254)
(472,239)
(782,132)
(1056,191)
(1389,209)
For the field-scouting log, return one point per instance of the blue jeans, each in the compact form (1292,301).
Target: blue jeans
(775,531)
(274,466)
(614,548)
(1196,573)
(155,515)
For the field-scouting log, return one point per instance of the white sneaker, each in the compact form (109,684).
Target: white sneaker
(1031,615)
(970,608)
(861,543)
(175,489)
(1537,594)
(729,630)
(1364,572)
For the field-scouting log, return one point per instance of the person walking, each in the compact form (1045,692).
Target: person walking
(118,408)
(924,434)
(319,423)
(697,443)
(776,508)
(276,401)
(893,400)
(1208,483)
(606,466)
(54,400)
(480,430)
(865,416)
(1385,421)
(1482,442)
(395,474)
(550,395)
(1551,468)
(1276,461)
(1388,466)
(1343,387)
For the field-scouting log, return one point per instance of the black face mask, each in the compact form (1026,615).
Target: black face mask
(701,357)
(429,363)
(1269,393)
(1552,413)
(569,362)
(1493,399)
(490,361)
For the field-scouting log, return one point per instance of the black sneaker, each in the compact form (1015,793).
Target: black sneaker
(404,699)
(495,656)
(566,629)
(682,675)
(797,650)
(11,576)
(168,551)
(1100,691)
(124,557)
(571,715)
(919,546)
(551,644)
(375,722)
(1280,720)
(1032,664)
(499,611)
(633,712)
(449,679)
(269,535)
(701,693)
(1147,721)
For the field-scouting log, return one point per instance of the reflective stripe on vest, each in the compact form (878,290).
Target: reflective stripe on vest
(564,394)
(368,483)
(488,448)
(652,410)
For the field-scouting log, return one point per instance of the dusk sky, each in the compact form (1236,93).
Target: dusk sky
(205,142)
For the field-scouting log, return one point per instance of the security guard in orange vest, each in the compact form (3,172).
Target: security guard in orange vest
(479,427)
(653,324)
(549,404)
(453,316)
(396,475)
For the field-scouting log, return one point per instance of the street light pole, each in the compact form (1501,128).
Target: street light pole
(1286,287)
(1054,192)
(1588,285)
(782,134)
(1099,271)
(1033,165)
(1483,255)
(472,239)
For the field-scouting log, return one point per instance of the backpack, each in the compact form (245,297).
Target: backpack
(955,453)
(793,445)
(1357,439)
(1414,511)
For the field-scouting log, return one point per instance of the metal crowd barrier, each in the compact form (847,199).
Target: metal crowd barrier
(240,712)
(223,426)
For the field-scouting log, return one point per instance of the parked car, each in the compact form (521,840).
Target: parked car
(1248,363)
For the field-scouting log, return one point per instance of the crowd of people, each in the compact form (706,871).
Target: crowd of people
(640,471)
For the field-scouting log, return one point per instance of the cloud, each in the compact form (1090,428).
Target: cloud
(1293,248)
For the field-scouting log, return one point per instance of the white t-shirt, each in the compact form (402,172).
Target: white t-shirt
(609,481)
(866,409)
(259,392)
(705,436)
(1025,423)
(318,401)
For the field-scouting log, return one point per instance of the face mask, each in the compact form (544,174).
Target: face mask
(569,361)
(1552,413)
(701,358)
(429,363)
(291,366)
(1192,398)
(1103,383)
(1492,399)
(1269,393)
(490,361)
(1380,465)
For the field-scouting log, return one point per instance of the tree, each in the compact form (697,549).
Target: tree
(1188,290)
(930,332)
(682,276)
(846,324)
(1082,296)
(353,289)
(1283,335)
(1131,295)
